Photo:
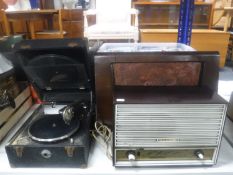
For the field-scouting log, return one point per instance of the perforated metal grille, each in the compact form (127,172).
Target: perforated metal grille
(168,125)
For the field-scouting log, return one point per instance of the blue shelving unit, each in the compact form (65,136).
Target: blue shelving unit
(185,21)
(34,4)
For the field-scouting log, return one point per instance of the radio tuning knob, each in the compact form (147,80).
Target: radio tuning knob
(131,156)
(199,154)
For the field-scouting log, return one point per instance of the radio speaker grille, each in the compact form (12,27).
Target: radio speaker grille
(168,125)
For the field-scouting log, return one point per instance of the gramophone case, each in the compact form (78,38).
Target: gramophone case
(73,152)
(59,70)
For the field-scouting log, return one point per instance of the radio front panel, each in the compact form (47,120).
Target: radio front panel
(167,134)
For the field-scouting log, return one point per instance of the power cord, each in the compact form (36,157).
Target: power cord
(103,135)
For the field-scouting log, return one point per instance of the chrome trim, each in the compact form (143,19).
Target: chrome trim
(166,163)
(53,139)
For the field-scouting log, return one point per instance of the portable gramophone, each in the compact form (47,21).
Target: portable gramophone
(57,133)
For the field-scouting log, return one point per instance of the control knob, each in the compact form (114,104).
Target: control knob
(131,156)
(199,154)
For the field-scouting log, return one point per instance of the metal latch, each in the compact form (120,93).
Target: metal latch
(19,151)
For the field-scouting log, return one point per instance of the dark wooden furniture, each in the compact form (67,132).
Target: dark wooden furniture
(159,14)
(103,73)
(73,23)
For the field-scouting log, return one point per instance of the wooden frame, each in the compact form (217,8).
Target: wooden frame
(31,16)
(4,20)
(53,33)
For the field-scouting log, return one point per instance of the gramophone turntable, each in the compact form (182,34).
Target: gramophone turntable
(57,133)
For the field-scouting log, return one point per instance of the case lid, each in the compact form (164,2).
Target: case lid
(56,72)
(57,64)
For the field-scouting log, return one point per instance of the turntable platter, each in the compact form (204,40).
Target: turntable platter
(52,128)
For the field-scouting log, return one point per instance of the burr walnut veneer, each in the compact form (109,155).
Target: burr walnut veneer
(192,69)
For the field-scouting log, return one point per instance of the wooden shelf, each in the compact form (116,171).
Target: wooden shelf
(159,14)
